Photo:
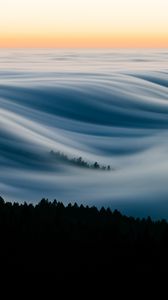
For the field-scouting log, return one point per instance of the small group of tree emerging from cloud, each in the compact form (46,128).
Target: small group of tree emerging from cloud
(78,161)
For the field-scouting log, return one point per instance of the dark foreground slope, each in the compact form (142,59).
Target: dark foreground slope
(72,240)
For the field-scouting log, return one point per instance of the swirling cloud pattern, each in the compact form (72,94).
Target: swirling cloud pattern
(106,106)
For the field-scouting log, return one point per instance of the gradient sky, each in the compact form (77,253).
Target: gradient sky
(83,23)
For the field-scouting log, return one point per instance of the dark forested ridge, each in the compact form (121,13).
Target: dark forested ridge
(49,237)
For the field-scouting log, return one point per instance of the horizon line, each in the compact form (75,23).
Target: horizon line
(84,48)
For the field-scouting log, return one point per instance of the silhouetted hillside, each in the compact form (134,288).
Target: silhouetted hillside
(79,240)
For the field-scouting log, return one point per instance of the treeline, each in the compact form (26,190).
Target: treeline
(79,161)
(51,237)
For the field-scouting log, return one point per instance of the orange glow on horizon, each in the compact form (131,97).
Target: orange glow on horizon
(87,41)
(83,24)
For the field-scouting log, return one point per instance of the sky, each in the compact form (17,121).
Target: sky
(84,23)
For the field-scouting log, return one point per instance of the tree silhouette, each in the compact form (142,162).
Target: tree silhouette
(96,165)
(79,162)
(50,236)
